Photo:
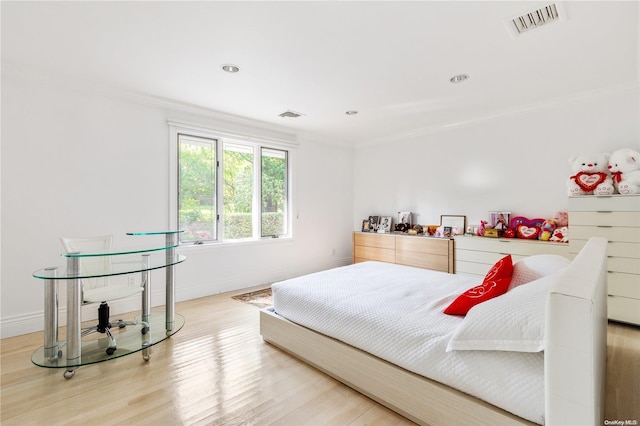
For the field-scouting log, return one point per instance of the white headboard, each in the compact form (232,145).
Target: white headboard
(576,340)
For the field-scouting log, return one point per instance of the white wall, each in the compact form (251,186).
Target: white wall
(517,162)
(79,162)
(84,162)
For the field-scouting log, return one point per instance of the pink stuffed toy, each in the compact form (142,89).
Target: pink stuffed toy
(483,224)
(561,218)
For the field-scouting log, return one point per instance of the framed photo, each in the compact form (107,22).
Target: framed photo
(385,224)
(457,224)
(365,225)
(373,223)
(404,217)
(499,220)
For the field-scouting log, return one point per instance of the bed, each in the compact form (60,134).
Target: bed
(535,355)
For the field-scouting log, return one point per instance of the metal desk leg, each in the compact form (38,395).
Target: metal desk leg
(51,344)
(74,343)
(146,305)
(146,292)
(169,284)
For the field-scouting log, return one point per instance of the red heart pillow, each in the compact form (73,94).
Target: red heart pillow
(528,232)
(495,283)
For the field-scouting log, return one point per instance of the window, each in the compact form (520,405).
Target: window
(229,189)
(274,192)
(239,191)
(197,213)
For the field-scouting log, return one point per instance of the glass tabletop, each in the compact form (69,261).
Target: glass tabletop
(128,340)
(114,252)
(123,265)
(155,232)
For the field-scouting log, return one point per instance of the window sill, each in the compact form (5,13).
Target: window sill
(190,247)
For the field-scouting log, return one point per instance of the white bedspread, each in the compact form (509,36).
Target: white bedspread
(395,313)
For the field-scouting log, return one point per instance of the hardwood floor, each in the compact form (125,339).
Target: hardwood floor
(218,371)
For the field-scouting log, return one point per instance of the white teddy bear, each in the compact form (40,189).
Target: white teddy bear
(624,165)
(590,175)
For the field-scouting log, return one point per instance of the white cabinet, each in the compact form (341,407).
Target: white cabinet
(616,218)
(476,255)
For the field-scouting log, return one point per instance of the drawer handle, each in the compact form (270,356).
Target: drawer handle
(604,226)
(604,211)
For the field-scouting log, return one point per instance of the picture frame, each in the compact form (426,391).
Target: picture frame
(373,223)
(385,224)
(404,217)
(499,220)
(365,225)
(457,223)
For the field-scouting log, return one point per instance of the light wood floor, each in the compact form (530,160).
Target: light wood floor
(217,370)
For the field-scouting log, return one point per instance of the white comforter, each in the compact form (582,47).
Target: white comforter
(395,313)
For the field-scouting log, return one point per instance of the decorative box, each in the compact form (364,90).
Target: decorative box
(489,232)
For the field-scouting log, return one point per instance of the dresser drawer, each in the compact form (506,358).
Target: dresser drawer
(611,233)
(628,203)
(375,240)
(623,264)
(423,245)
(471,268)
(604,218)
(484,257)
(421,260)
(614,248)
(624,309)
(621,284)
(511,246)
(361,253)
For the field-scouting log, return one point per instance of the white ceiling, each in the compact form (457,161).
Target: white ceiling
(389,60)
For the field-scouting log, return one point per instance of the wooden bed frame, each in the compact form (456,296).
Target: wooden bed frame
(575,357)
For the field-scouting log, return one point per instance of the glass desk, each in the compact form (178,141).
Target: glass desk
(76,352)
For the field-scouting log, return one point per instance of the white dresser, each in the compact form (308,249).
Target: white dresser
(476,255)
(616,218)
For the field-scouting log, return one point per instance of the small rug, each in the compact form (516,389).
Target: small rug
(259,298)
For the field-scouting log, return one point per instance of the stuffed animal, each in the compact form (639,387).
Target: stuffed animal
(483,224)
(560,235)
(546,229)
(561,219)
(624,165)
(590,175)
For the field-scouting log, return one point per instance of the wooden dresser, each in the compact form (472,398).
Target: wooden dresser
(616,218)
(476,255)
(410,250)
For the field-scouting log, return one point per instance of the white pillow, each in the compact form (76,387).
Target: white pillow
(533,267)
(511,322)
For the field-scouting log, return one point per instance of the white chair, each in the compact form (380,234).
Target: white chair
(99,289)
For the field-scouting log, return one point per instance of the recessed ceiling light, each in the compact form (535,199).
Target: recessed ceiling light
(291,114)
(459,78)
(230,68)
(351,112)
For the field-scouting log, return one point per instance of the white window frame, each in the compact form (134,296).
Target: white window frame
(223,137)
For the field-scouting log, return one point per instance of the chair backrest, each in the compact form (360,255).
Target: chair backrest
(91,264)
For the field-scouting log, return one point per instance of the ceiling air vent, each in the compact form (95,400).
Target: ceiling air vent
(535,19)
(290,114)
